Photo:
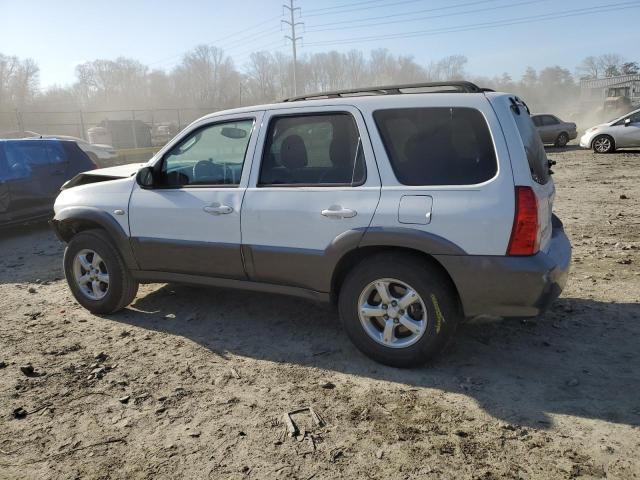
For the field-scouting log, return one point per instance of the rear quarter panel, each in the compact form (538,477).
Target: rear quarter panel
(520,167)
(477,218)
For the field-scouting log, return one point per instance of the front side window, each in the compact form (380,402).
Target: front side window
(635,118)
(322,149)
(212,155)
(437,145)
(550,120)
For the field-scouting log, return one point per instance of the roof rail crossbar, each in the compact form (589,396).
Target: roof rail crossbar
(444,87)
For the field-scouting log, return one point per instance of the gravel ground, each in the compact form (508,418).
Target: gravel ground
(194,383)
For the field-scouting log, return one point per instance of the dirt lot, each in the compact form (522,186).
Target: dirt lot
(193,383)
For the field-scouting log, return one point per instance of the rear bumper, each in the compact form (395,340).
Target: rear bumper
(511,286)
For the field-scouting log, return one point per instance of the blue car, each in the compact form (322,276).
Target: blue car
(31,174)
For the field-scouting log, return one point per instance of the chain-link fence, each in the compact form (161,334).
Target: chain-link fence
(119,128)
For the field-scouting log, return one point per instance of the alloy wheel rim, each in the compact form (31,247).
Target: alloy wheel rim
(603,144)
(91,274)
(392,313)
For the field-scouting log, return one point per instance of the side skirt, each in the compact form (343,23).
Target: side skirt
(145,276)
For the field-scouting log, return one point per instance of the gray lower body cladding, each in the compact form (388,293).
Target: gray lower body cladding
(487,285)
(511,286)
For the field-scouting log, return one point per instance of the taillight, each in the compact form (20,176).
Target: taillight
(525,235)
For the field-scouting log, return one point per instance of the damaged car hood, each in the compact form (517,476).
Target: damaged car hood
(103,175)
(121,171)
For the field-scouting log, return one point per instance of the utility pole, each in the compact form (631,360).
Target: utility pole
(294,40)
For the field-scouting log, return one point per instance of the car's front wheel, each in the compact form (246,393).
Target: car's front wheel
(603,144)
(97,274)
(398,310)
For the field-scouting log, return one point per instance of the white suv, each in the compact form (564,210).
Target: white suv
(411,207)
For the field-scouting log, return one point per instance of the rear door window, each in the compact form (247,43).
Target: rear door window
(437,145)
(533,146)
(323,149)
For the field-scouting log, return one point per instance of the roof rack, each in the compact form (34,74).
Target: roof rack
(430,87)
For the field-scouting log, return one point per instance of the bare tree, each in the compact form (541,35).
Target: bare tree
(590,67)
(630,68)
(611,64)
(19,81)
(261,72)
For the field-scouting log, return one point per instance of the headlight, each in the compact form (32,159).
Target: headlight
(592,129)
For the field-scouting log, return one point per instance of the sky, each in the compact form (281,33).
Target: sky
(59,34)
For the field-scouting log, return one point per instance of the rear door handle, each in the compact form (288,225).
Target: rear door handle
(218,209)
(336,211)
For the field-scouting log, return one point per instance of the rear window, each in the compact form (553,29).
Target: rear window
(437,146)
(536,155)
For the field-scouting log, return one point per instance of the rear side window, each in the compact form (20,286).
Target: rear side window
(437,146)
(322,149)
(536,156)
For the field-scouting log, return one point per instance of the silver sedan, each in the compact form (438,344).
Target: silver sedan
(623,132)
(554,131)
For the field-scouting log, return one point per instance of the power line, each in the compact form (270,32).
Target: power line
(353,4)
(237,44)
(393,4)
(294,39)
(417,12)
(269,20)
(479,26)
(468,12)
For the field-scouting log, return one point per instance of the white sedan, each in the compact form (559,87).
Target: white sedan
(623,132)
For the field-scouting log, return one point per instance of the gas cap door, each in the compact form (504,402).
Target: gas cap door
(415,209)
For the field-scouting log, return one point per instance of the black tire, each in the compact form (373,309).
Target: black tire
(562,140)
(436,291)
(122,288)
(610,146)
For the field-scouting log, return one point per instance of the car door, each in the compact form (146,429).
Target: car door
(314,188)
(550,129)
(29,171)
(5,198)
(189,222)
(628,134)
(56,172)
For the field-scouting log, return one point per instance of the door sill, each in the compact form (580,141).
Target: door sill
(147,276)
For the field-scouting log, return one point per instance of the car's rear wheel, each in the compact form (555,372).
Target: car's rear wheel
(603,144)
(97,274)
(398,310)
(562,140)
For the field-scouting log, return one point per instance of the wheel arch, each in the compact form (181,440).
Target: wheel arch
(352,258)
(71,221)
(613,140)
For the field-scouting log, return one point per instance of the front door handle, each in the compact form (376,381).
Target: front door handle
(217,209)
(336,211)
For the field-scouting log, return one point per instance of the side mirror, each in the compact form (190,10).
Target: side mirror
(235,133)
(627,122)
(144,177)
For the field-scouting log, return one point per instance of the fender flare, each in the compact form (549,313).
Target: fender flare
(352,241)
(65,221)
(425,242)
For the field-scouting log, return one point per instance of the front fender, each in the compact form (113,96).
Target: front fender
(72,220)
